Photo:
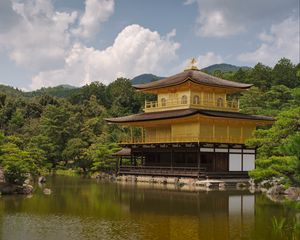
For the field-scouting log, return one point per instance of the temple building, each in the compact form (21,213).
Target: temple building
(193,129)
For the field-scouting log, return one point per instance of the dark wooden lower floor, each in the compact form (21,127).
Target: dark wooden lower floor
(188,160)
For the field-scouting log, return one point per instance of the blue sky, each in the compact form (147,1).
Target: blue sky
(51,42)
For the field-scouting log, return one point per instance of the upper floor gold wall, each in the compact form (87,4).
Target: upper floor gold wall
(192,97)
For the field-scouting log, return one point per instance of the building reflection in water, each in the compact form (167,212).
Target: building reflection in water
(202,215)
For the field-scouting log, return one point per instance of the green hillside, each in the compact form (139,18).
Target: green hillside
(144,78)
(58,91)
(10,91)
(223,67)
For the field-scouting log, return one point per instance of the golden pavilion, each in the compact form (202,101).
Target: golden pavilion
(193,129)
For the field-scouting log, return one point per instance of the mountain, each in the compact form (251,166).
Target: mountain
(223,67)
(144,78)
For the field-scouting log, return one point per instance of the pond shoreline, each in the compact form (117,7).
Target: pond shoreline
(273,190)
(11,189)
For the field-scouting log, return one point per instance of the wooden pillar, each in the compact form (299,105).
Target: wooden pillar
(131,135)
(172,158)
(121,158)
(131,160)
(214,158)
(156,158)
(214,131)
(199,157)
(199,133)
(142,129)
(117,166)
(242,134)
(227,131)
(185,153)
(142,159)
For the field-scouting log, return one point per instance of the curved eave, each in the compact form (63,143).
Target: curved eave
(152,116)
(136,87)
(145,117)
(172,81)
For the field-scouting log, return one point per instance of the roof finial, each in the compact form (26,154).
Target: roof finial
(192,65)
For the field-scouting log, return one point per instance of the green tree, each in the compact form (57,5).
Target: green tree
(252,101)
(261,76)
(74,151)
(285,73)
(101,156)
(17,163)
(55,129)
(278,148)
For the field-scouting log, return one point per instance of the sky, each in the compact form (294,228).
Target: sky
(51,42)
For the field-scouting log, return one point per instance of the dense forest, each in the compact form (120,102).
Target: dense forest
(63,128)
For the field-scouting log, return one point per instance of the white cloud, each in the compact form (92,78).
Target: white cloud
(281,41)
(135,50)
(216,24)
(96,12)
(40,38)
(208,59)
(188,2)
(231,17)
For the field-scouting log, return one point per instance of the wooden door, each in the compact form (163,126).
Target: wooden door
(221,162)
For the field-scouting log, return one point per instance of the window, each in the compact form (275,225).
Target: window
(220,102)
(163,102)
(184,99)
(196,100)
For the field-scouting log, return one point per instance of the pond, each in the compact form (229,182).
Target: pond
(85,209)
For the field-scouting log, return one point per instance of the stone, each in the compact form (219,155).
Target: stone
(176,180)
(165,180)
(222,185)
(159,180)
(133,179)
(143,179)
(293,192)
(265,184)
(171,180)
(24,189)
(47,191)
(252,182)
(8,189)
(276,190)
(241,185)
(42,179)
(2,177)
(27,181)
(187,181)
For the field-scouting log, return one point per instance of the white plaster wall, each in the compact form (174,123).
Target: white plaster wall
(235,162)
(248,162)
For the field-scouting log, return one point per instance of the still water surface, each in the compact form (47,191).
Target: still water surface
(84,209)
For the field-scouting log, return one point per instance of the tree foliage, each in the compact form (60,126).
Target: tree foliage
(279,148)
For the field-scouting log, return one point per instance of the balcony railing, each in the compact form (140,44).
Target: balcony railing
(184,139)
(152,106)
(161,170)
